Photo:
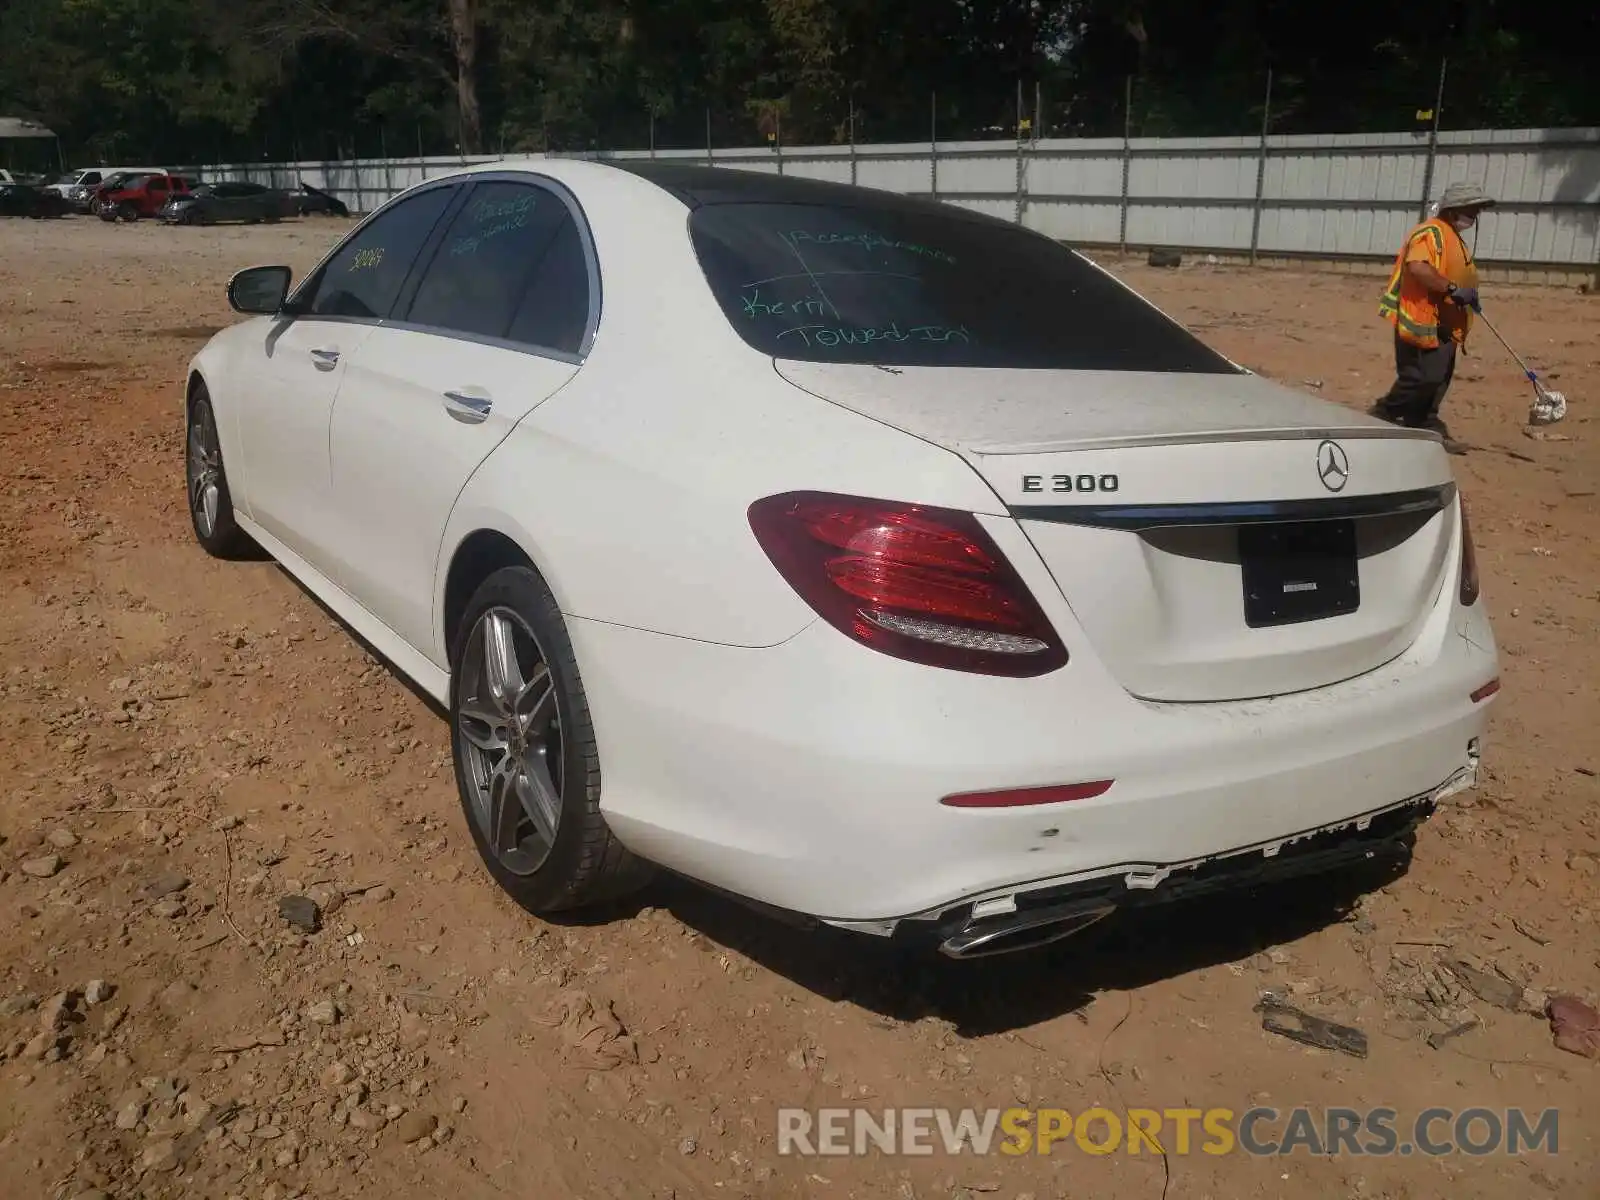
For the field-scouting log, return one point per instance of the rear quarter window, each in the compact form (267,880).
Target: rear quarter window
(914,287)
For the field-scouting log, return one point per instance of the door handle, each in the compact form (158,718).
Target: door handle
(468,409)
(325,360)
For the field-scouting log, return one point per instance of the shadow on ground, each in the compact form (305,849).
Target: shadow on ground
(1014,991)
(1003,993)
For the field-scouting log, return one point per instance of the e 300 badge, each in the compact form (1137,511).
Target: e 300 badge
(1069,483)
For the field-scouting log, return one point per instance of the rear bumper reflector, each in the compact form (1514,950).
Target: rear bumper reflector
(1486,690)
(1022,797)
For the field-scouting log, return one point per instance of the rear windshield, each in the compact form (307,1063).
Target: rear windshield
(833,283)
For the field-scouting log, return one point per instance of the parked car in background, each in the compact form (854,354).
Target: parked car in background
(85,196)
(229,200)
(314,200)
(140,196)
(63,184)
(26,200)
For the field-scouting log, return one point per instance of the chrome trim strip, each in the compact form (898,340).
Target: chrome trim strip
(1201,439)
(456,335)
(1250,512)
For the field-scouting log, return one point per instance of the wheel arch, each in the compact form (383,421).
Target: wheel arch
(191,387)
(476,556)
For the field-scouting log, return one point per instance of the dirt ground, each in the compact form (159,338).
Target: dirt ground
(183,742)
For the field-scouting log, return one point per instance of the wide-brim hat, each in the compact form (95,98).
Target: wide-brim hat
(1465,195)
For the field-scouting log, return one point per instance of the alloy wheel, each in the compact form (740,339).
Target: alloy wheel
(509,720)
(205,470)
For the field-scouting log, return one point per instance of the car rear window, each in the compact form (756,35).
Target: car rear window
(914,287)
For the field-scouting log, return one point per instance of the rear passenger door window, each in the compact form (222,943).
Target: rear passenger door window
(554,310)
(364,278)
(497,255)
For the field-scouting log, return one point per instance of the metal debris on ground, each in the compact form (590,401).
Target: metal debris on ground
(1299,1026)
(1491,989)
(301,912)
(1527,931)
(1438,1038)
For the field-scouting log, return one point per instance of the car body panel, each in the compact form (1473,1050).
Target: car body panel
(284,405)
(749,744)
(823,796)
(400,458)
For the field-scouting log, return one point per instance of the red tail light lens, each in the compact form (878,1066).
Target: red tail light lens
(1022,797)
(923,584)
(1469,561)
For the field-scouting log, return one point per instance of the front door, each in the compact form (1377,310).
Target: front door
(494,325)
(288,401)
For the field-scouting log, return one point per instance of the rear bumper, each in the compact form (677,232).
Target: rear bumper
(807,776)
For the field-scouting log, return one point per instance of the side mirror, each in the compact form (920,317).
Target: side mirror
(259,290)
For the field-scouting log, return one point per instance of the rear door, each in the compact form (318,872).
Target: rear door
(496,323)
(288,384)
(222,205)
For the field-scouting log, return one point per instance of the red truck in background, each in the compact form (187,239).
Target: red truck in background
(130,198)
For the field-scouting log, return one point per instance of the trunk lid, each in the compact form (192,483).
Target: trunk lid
(1217,537)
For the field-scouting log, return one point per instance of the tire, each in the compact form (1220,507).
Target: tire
(554,752)
(128,211)
(210,515)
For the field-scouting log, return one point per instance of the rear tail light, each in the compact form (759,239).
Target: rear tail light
(1469,561)
(923,584)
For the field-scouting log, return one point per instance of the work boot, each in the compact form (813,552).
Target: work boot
(1438,426)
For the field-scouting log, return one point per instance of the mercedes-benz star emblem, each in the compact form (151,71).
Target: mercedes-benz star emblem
(1333,466)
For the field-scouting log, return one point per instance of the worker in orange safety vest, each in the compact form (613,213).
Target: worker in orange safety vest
(1432,294)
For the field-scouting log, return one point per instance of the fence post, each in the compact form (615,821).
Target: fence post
(355,165)
(852,141)
(1019,152)
(1127,154)
(388,166)
(777,141)
(652,131)
(708,135)
(1261,172)
(933,145)
(1433,143)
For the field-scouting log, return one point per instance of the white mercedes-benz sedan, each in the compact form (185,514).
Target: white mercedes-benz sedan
(879,562)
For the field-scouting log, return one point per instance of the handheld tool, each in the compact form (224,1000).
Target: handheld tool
(1548,406)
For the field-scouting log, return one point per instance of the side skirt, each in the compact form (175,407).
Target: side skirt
(409,661)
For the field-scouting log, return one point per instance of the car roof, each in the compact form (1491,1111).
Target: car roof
(696,185)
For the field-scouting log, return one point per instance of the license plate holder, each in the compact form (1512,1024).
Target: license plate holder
(1298,571)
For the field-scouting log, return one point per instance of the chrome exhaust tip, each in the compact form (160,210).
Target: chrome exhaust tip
(1014,932)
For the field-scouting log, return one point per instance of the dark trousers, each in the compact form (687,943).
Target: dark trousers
(1422,377)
